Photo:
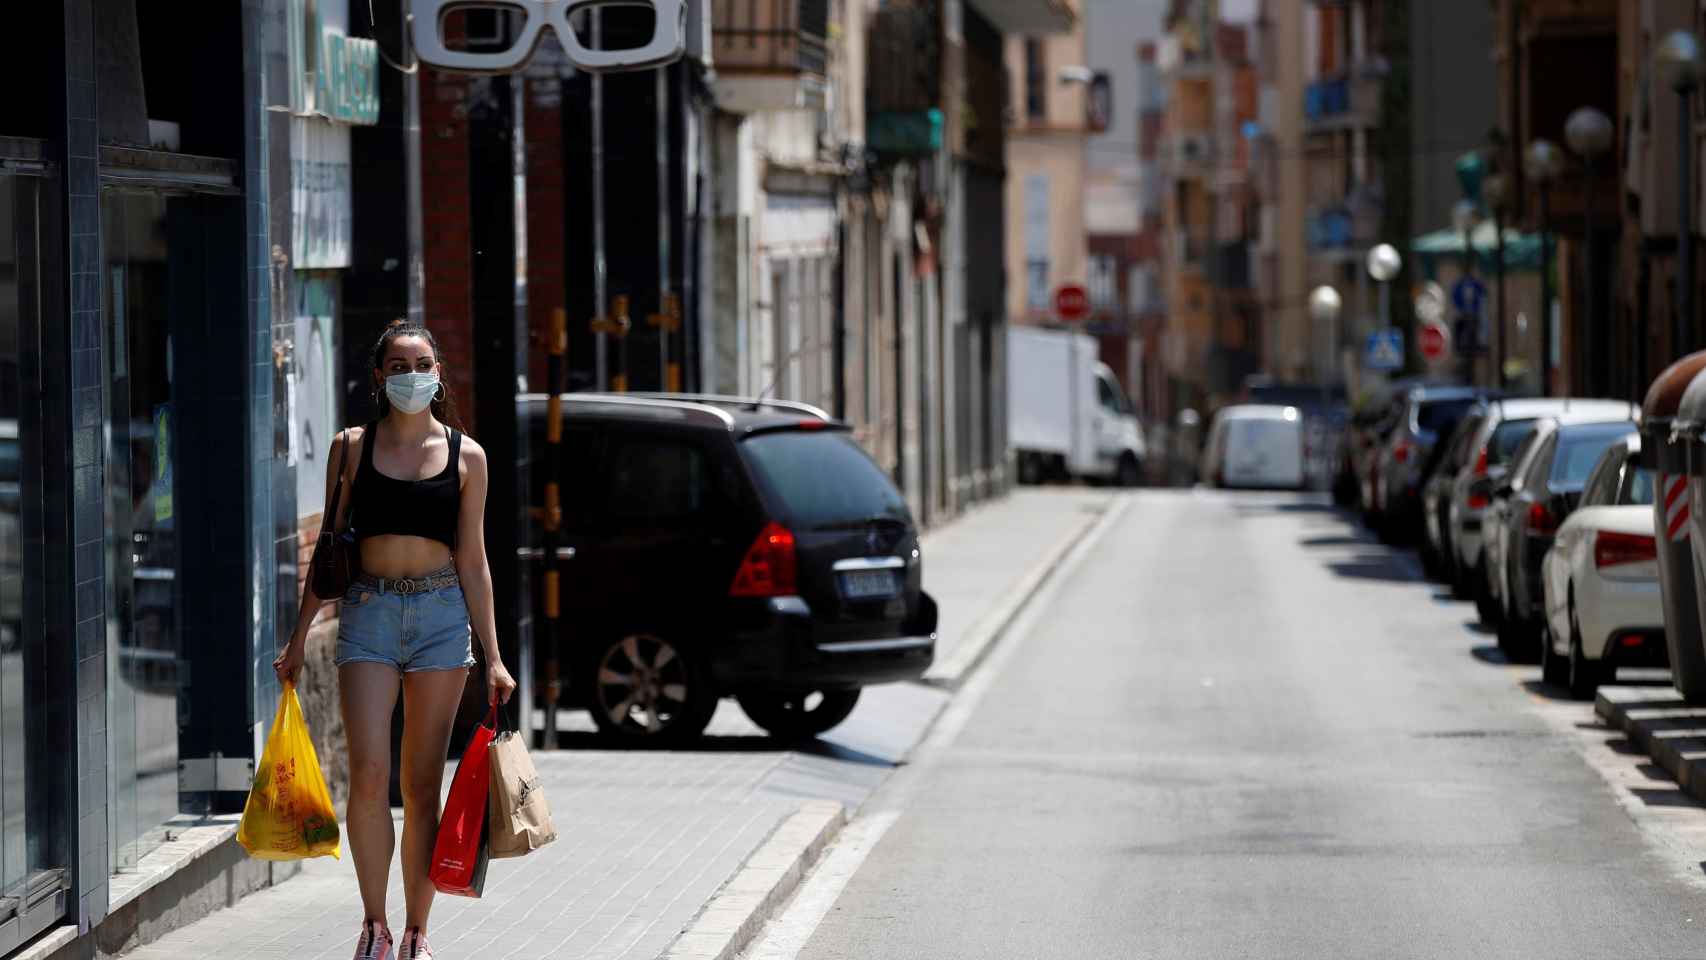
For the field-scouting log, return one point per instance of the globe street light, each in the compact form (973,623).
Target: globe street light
(1542,163)
(1497,192)
(1383,264)
(1680,63)
(1324,304)
(1589,134)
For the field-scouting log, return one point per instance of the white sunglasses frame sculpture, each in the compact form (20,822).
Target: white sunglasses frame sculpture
(668,43)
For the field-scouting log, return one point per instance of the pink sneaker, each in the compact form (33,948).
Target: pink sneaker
(375,942)
(415,945)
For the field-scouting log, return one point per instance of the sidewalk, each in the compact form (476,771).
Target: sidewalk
(647,838)
(982,566)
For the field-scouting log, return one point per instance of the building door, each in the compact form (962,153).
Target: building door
(36,693)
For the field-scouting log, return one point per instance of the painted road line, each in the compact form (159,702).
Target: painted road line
(786,936)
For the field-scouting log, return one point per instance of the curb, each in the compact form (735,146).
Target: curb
(1670,731)
(732,919)
(989,628)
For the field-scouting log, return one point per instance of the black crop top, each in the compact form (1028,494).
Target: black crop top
(426,508)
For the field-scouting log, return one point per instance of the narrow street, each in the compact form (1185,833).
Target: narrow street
(1237,727)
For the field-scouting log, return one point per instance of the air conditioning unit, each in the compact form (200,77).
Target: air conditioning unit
(1192,150)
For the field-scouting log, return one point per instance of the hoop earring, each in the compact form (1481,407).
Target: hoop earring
(441,393)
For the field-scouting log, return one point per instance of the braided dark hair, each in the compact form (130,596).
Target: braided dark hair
(444,405)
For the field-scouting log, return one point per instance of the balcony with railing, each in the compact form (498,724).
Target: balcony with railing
(1343,101)
(1342,232)
(770,54)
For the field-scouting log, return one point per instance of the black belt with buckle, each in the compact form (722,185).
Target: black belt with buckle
(408,585)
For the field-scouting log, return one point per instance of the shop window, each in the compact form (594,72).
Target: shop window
(165,86)
(37,686)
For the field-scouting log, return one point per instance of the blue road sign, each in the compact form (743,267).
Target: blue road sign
(1469,295)
(1384,350)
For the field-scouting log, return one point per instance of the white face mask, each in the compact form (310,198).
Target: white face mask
(411,392)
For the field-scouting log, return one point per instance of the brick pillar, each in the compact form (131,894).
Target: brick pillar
(546,290)
(446,222)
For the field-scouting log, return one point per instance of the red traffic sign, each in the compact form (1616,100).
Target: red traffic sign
(1072,302)
(1433,340)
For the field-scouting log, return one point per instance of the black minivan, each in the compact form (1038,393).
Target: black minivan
(728,547)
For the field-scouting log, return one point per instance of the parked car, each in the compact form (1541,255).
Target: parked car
(1504,426)
(1421,416)
(1536,497)
(729,548)
(1601,579)
(1439,554)
(1255,445)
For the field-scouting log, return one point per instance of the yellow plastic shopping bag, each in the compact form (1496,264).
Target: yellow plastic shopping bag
(289,815)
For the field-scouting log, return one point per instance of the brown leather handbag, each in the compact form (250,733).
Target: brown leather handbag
(337,559)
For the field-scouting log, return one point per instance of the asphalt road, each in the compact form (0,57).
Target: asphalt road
(1238,728)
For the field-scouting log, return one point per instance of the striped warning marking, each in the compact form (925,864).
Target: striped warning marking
(1676,508)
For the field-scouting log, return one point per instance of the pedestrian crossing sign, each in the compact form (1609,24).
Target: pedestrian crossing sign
(1384,350)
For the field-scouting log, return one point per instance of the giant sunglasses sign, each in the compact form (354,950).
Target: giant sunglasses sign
(667,43)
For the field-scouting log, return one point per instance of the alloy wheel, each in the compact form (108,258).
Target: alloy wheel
(644,686)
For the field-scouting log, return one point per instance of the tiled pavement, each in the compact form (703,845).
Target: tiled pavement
(647,837)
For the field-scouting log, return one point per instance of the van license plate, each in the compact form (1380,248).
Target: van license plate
(868,584)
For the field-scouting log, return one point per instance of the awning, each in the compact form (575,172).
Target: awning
(1522,250)
(1027,17)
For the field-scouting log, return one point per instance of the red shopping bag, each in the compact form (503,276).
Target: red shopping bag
(460,853)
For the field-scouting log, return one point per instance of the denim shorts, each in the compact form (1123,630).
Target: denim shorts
(409,632)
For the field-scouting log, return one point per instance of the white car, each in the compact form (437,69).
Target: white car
(1601,579)
(1255,445)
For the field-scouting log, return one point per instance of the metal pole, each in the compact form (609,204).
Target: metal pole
(1589,311)
(599,267)
(1465,350)
(1545,288)
(1683,334)
(552,516)
(669,375)
(1499,273)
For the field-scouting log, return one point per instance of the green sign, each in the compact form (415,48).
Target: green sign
(333,75)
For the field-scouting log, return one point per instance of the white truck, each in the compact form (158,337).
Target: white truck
(1067,416)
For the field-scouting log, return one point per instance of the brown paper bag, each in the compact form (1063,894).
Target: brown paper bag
(519,820)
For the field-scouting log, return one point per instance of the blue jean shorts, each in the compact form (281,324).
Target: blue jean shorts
(409,632)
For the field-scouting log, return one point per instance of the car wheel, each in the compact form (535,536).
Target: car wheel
(1554,669)
(1516,640)
(798,716)
(1485,607)
(1585,675)
(1129,473)
(648,690)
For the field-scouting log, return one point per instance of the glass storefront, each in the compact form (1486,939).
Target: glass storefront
(34,824)
(143,596)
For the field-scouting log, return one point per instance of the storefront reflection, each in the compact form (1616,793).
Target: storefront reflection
(142,549)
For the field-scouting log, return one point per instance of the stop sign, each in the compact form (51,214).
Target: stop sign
(1433,340)
(1071,302)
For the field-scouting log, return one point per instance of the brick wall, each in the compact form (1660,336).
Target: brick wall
(448,250)
(317,688)
(546,288)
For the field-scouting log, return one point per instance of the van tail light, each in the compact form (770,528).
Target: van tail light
(1479,501)
(1541,520)
(768,569)
(1616,549)
(1481,462)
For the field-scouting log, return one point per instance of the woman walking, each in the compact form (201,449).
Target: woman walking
(417,493)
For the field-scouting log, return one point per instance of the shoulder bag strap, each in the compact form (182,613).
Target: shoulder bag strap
(337,488)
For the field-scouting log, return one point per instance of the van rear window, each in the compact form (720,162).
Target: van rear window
(824,479)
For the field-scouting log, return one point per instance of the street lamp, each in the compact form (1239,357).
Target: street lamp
(1383,264)
(1679,61)
(1542,164)
(1324,304)
(1497,191)
(1463,217)
(1589,134)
